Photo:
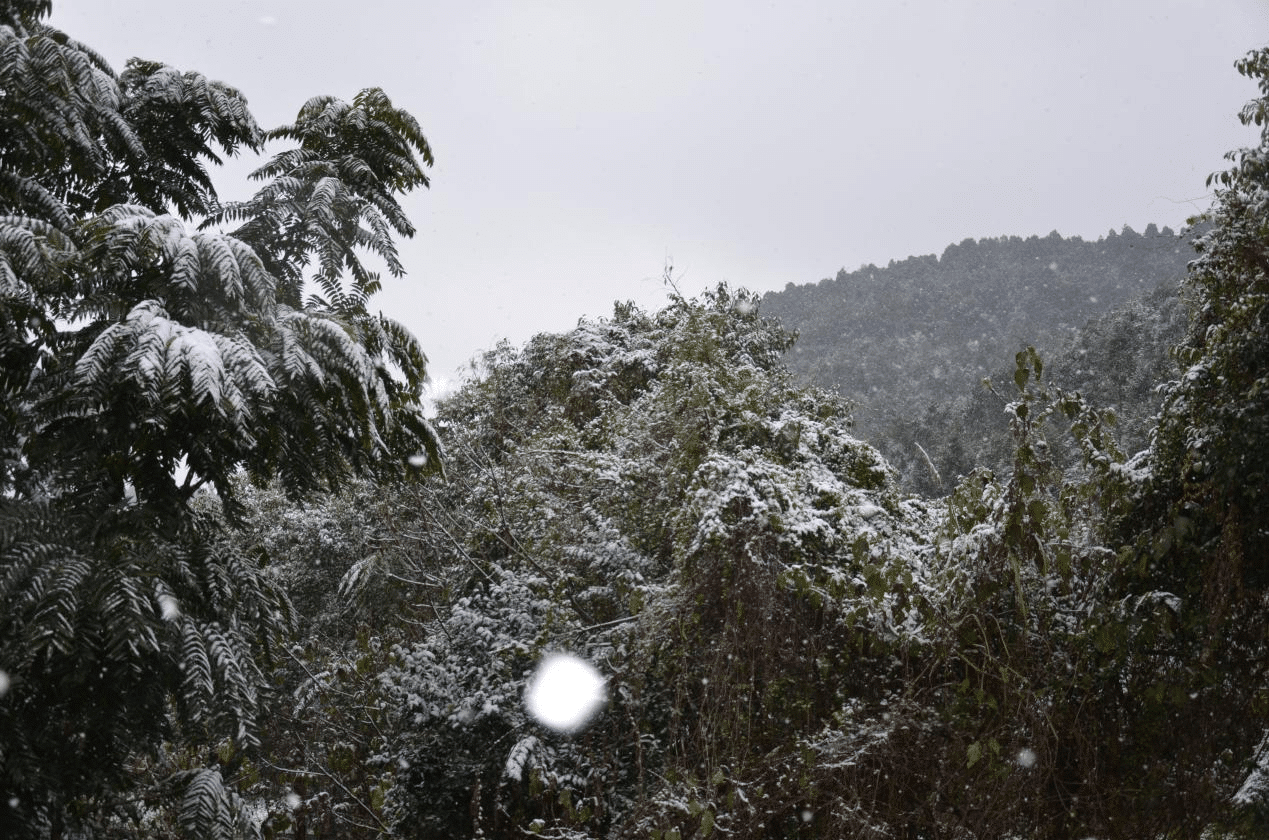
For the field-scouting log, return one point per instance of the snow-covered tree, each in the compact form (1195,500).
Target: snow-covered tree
(654,493)
(144,359)
(1201,527)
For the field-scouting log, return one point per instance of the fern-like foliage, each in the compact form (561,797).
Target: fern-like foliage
(334,194)
(143,358)
(114,633)
(326,202)
(97,139)
(63,125)
(14,12)
(177,117)
(209,808)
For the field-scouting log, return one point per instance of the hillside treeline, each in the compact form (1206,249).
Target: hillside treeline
(910,344)
(926,328)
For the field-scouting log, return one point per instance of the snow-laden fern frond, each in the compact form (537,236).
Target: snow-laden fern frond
(60,121)
(55,594)
(212,108)
(369,131)
(181,119)
(206,277)
(334,196)
(19,192)
(210,809)
(313,217)
(43,596)
(291,353)
(330,371)
(153,391)
(337,352)
(31,253)
(175,369)
(198,687)
(400,347)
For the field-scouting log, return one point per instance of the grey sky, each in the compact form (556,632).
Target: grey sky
(581,144)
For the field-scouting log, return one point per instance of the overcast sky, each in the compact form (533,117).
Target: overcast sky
(581,145)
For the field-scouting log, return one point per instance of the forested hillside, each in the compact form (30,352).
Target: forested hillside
(910,344)
(1117,360)
(248,590)
(925,330)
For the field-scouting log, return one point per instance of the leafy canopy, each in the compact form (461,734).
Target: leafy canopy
(146,354)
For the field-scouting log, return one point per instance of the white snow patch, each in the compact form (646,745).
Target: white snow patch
(519,758)
(1255,787)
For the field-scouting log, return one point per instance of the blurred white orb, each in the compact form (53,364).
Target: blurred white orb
(565,692)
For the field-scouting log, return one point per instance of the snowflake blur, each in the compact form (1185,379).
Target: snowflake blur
(565,692)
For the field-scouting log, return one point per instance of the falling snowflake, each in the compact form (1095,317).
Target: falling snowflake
(169,607)
(565,692)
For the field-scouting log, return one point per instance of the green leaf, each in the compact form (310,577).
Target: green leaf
(1037,510)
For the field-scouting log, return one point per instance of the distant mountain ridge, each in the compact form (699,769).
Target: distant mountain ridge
(909,340)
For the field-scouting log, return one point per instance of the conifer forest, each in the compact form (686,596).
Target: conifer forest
(973,545)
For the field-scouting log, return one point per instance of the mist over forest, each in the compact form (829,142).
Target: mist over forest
(751,566)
